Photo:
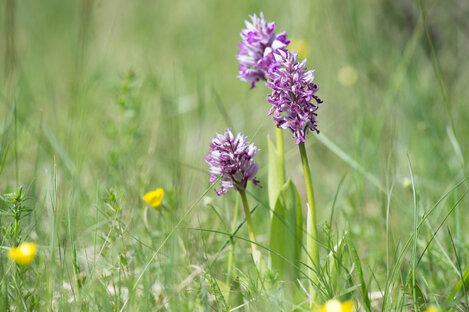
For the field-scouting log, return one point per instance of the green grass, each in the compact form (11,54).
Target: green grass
(102,101)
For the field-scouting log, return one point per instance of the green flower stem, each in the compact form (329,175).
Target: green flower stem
(231,256)
(312,245)
(252,236)
(279,138)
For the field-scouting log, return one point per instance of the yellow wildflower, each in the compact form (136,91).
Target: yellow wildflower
(431,309)
(300,46)
(23,254)
(337,306)
(347,76)
(154,198)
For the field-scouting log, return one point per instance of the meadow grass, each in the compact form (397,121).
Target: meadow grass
(103,101)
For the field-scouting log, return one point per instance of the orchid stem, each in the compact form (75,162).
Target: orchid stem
(231,256)
(252,236)
(311,243)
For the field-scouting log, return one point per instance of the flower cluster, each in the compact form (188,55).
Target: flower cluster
(256,50)
(232,159)
(293,94)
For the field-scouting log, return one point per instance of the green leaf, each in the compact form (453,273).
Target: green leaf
(358,265)
(276,177)
(419,296)
(235,298)
(459,285)
(285,232)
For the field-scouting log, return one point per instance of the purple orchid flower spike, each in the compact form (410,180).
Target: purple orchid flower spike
(232,159)
(293,98)
(259,41)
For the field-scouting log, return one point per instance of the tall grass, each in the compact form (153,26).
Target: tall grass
(101,102)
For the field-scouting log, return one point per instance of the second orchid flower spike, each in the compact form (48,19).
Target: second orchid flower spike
(255,55)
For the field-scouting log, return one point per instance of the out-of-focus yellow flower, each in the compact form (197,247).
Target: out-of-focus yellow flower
(154,198)
(431,309)
(23,254)
(406,182)
(347,76)
(337,306)
(300,46)
(208,201)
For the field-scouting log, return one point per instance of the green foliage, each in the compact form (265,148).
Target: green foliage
(463,284)
(361,279)
(276,172)
(16,279)
(13,207)
(286,233)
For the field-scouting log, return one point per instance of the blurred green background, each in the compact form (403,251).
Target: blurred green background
(126,95)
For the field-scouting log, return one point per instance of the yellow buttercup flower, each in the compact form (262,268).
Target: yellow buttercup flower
(300,46)
(337,306)
(154,198)
(431,309)
(23,254)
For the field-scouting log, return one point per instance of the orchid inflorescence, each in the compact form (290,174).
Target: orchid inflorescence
(293,98)
(256,50)
(263,55)
(232,158)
